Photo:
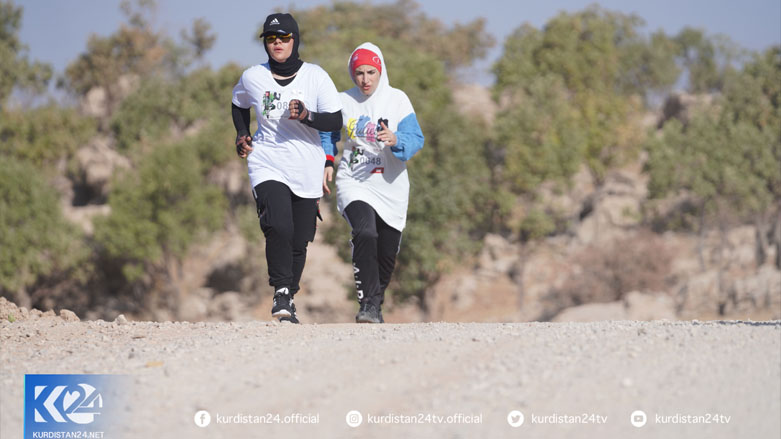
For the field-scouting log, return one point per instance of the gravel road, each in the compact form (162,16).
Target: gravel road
(416,376)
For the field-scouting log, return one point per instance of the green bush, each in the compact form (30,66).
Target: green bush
(36,241)
(158,211)
(569,92)
(541,135)
(728,159)
(162,105)
(536,224)
(451,204)
(44,135)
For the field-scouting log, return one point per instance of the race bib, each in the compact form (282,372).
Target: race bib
(366,160)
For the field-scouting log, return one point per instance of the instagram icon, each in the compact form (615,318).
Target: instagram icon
(354,418)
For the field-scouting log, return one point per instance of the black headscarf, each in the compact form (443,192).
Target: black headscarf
(282,24)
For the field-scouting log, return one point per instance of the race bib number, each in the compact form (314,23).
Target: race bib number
(365,160)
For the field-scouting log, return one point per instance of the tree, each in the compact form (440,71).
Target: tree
(568,95)
(200,37)
(595,49)
(15,69)
(44,135)
(705,59)
(727,160)
(171,126)
(330,33)
(158,212)
(163,105)
(541,135)
(37,242)
(135,50)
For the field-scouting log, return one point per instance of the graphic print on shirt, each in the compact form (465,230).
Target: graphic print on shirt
(362,127)
(268,102)
(275,104)
(357,150)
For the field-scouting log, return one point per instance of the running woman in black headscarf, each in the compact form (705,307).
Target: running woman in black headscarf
(287,165)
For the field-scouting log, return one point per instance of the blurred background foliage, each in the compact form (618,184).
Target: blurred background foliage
(568,95)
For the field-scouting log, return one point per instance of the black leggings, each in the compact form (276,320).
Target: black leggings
(288,222)
(375,246)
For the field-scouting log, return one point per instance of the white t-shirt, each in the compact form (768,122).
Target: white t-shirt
(377,177)
(286,150)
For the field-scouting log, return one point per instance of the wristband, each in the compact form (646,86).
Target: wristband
(309,119)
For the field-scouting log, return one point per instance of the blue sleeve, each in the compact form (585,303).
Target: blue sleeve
(409,138)
(328,140)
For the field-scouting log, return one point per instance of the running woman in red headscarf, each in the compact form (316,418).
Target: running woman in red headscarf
(382,133)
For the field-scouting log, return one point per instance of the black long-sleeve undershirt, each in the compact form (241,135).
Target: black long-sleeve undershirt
(325,121)
(240,120)
(320,121)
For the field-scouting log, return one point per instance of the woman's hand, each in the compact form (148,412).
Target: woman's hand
(328,176)
(243,146)
(297,110)
(386,136)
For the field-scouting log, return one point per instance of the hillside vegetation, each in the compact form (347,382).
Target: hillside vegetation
(102,202)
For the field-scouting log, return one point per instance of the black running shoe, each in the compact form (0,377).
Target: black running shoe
(282,304)
(294,317)
(361,310)
(368,313)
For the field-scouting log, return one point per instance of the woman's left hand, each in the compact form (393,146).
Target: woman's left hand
(297,110)
(386,136)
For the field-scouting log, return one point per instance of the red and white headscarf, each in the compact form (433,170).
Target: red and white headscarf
(368,53)
(362,57)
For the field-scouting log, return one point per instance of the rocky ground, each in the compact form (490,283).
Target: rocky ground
(457,370)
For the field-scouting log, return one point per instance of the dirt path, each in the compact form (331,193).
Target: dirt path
(415,372)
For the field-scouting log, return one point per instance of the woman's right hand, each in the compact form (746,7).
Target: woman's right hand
(328,176)
(243,146)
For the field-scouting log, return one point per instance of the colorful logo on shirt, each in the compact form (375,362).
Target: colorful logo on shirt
(363,127)
(268,102)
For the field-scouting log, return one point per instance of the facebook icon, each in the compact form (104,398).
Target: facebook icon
(202,418)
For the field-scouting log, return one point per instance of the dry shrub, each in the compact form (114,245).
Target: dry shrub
(640,262)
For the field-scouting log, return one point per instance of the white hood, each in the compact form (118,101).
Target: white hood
(384,85)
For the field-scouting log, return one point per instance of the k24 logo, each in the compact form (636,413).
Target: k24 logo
(61,400)
(70,405)
(67,403)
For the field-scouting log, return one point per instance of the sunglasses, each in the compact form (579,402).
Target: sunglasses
(273,37)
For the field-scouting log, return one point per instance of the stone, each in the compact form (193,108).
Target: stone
(69,316)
